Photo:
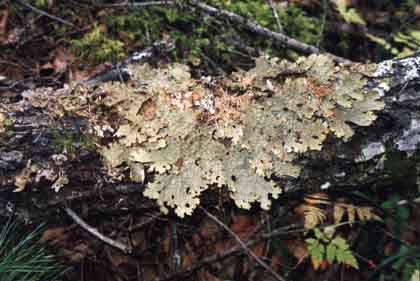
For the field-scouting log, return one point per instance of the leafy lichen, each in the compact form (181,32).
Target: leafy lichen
(236,132)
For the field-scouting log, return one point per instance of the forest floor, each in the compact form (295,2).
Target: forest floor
(50,43)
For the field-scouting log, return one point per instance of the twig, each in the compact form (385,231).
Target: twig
(41,12)
(243,245)
(176,256)
(208,260)
(138,4)
(144,223)
(218,69)
(226,254)
(405,201)
(260,30)
(120,72)
(323,21)
(96,233)
(276,16)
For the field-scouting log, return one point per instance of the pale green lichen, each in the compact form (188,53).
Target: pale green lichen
(235,133)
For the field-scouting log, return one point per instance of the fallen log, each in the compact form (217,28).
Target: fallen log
(277,128)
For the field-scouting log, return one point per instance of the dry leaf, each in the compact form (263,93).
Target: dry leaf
(4,16)
(317,198)
(339,212)
(313,216)
(53,235)
(61,60)
(298,248)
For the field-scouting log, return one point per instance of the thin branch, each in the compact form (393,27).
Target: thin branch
(260,30)
(176,256)
(138,4)
(120,72)
(209,260)
(276,16)
(43,13)
(244,246)
(126,249)
(236,250)
(405,201)
(144,223)
(323,21)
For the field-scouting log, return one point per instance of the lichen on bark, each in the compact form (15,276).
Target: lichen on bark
(235,132)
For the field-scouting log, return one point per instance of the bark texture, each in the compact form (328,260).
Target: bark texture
(40,150)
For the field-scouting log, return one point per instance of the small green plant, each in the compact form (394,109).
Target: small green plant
(406,261)
(400,213)
(70,141)
(404,264)
(6,128)
(23,257)
(41,3)
(97,47)
(326,247)
(299,25)
(350,15)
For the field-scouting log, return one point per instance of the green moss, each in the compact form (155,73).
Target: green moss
(300,26)
(409,4)
(196,38)
(41,3)
(70,141)
(294,19)
(97,47)
(6,128)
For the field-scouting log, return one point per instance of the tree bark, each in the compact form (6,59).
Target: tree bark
(32,146)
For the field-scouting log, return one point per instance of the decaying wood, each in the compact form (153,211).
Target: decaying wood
(36,141)
(353,164)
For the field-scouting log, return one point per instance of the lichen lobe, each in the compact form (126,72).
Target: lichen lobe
(235,132)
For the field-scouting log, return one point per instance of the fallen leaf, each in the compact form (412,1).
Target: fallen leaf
(204,275)
(298,249)
(243,226)
(79,75)
(148,110)
(77,253)
(62,59)
(53,235)
(116,257)
(258,249)
(4,16)
(209,230)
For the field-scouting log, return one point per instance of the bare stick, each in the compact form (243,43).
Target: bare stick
(236,250)
(43,13)
(208,260)
(244,245)
(260,30)
(96,233)
(138,4)
(276,16)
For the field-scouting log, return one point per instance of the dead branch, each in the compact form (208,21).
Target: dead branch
(244,246)
(120,72)
(127,3)
(232,251)
(43,13)
(118,245)
(276,16)
(208,260)
(262,31)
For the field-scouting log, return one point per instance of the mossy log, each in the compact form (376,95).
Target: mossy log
(162,134)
